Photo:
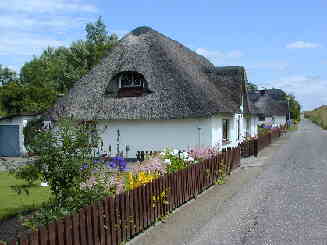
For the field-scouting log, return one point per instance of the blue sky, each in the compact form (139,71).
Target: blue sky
(281,44)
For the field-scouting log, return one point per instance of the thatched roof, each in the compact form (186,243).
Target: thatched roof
(180,83)
(269,102)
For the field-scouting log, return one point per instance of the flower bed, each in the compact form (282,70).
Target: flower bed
(146,199)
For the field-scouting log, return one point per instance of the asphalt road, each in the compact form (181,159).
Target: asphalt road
(281,199)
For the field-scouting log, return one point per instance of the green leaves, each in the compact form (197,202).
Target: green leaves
(7,75)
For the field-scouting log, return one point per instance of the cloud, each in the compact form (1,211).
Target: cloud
(219,57)
(269,65)
(309,90)
(302,44)
(46,6)
(26,45)
(30,26)
(28,23)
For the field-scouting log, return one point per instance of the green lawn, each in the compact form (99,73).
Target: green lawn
(11,203)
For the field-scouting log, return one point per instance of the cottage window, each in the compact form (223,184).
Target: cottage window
(225,130)
(262,117)
(248,127)
(131,80)
(238,129)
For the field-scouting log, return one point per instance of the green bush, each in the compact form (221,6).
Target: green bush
(66,161)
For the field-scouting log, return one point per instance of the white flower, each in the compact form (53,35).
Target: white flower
(190,159)
(167,161)
(44,184)
(162,153)
(185,155)
(175,152)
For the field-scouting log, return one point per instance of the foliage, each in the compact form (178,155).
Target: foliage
(59,68)
(17,98)
(294,107)
(67,163)
(29,130)
(63,152)
(263,130)
(251,86)
(7,75)
(318,116)
(175,160)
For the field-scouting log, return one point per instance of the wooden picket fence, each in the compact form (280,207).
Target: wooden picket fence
(254,146)
(119,218)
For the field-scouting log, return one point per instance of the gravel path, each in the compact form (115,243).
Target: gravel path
(280,198)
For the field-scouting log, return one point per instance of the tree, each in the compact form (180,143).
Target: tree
(251,86)
(7,75)
(294,107)
(17,98)
(59,68)
(99,43)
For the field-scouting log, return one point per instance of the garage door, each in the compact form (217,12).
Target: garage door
(9,140)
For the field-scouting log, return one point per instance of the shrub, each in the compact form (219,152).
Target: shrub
(66,162)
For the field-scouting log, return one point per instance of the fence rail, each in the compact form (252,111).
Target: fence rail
(119,218)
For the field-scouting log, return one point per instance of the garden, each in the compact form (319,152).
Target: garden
(77,177)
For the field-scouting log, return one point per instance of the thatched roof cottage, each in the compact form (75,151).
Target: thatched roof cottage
(271,105)
(158,93)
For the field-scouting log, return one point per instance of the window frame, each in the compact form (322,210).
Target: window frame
(225,129)
(130,76)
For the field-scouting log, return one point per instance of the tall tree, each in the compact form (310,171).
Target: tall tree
(7,75)
(294,107)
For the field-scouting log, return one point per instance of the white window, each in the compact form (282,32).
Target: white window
(131,80)
(225,128)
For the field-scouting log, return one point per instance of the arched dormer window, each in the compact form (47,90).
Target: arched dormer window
(128,84)
(131,80)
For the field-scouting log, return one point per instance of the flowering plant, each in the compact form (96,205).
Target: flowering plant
(176,160)
(117,162)
(138,179)
(204,153)
(153,165)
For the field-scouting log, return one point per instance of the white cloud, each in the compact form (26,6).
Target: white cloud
(269,65)
(30,26)
(27,23)
(16,44)
(303,44)
(219,57)
(309,90)
(46,6)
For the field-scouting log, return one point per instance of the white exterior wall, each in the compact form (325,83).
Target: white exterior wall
(156,135)
(21,121)
(279,120)
(274,121)
(182,134)
(254,125)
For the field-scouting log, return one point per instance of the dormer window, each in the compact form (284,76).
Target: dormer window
(131,80)
(128,84)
